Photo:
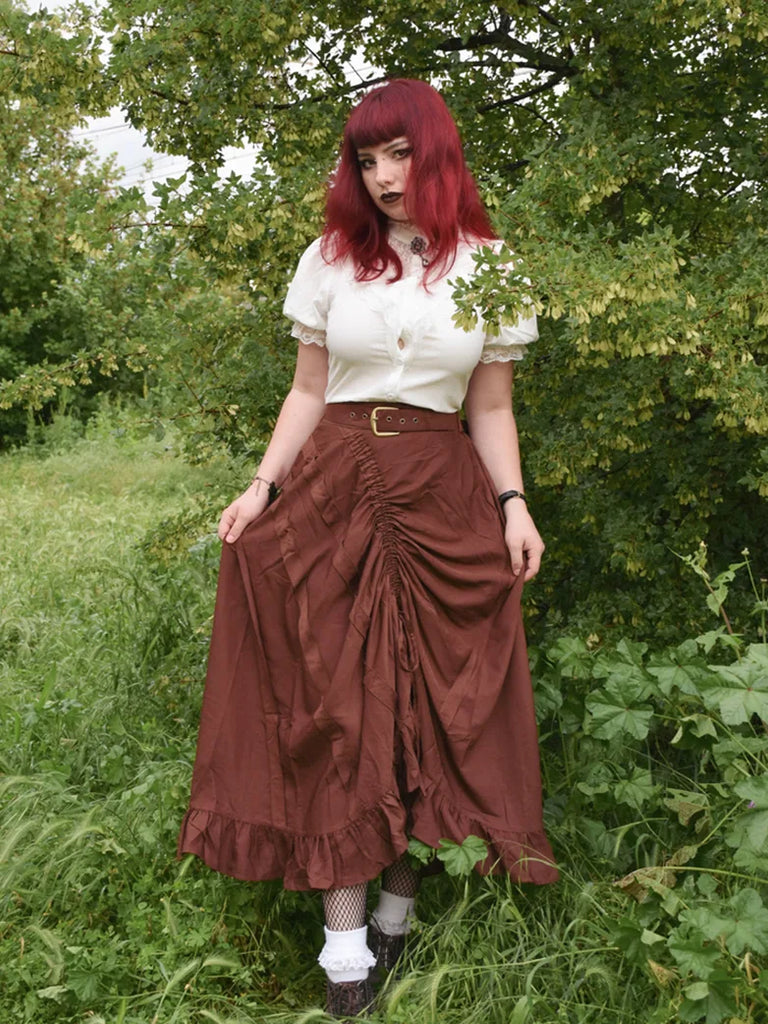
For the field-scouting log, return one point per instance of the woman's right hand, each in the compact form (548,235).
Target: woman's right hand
(243,511)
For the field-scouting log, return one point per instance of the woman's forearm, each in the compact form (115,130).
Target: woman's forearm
(492,427)
(494,435)
(300,413)
(493,430)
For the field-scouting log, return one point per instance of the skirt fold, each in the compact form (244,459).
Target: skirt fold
(368,677)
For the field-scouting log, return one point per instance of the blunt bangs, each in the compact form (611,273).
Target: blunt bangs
(379,118)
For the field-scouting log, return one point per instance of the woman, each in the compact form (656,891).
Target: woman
(368,678)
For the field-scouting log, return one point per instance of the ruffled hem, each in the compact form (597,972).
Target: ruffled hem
(350,963)
(525,856)
(257,852)
(376,839)
(393,927)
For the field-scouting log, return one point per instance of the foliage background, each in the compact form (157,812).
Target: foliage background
(621,147)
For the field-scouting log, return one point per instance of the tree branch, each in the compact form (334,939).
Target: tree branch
(546,120)
(535,58)
(515,165)
(351,87)
(542,11)
(544,87)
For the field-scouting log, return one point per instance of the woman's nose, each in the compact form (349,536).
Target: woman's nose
(385,173)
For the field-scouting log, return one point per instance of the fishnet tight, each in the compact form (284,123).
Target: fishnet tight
(345,908)
(400,878)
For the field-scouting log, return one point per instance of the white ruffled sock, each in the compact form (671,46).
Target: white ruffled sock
(394,915)
(345,955)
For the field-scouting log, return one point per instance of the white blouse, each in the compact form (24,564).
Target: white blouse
(395,342)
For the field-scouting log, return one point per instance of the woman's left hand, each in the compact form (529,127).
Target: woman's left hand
(523,540)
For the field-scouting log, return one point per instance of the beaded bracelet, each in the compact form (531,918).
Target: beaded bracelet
(506,495)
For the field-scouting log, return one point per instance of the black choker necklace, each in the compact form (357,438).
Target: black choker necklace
(419,247)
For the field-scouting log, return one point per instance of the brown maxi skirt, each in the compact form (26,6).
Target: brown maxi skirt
(368,678)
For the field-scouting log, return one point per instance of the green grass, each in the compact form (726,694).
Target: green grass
(109,568)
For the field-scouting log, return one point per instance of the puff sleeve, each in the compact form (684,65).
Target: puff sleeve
(511,342)
(306,302)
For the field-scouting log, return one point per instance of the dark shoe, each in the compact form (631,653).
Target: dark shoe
(348,998)
(386,948)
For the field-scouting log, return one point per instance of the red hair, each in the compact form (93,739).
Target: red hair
(440,185)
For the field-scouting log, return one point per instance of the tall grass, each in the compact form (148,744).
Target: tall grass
(109,565)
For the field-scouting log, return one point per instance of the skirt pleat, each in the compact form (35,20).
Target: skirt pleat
(368,678)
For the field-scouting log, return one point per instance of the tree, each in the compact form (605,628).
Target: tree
(61,251)
(622,149)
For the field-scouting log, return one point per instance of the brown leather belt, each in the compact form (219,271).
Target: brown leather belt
(390,420)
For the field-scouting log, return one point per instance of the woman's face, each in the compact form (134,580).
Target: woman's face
(384,169)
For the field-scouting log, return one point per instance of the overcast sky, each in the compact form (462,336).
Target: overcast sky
(112,135)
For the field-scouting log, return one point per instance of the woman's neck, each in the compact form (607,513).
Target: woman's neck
(405,231)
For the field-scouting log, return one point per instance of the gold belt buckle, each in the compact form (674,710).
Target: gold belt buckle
(374,423)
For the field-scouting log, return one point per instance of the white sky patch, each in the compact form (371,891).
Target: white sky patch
(140,164)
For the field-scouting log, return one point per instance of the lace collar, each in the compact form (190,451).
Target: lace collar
(411,247)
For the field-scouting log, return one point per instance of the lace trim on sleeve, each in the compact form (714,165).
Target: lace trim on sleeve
(502,353)
(308,335)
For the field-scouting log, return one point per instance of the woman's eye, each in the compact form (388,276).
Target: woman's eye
(401,154)
(365,163)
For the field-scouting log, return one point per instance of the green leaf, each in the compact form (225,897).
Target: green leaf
(627,934)
(615,710)
(723,994)
(625,662)
(692,953)
(706,920)
(739,691)
(692,729)
(84,983)
(571,657)
(755,790)
(757,654)
(460,858)
(749,923)
(678,669)
(637,790)
(716,1004)
(686,804)
(749,830)
(742,922)
(697,990)
(421,852)
(520,1011)
(739,749)
(55,992)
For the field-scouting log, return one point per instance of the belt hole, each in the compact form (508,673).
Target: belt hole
(352,415)
(415,419)
(365,415)
(389,419)
(402,419)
